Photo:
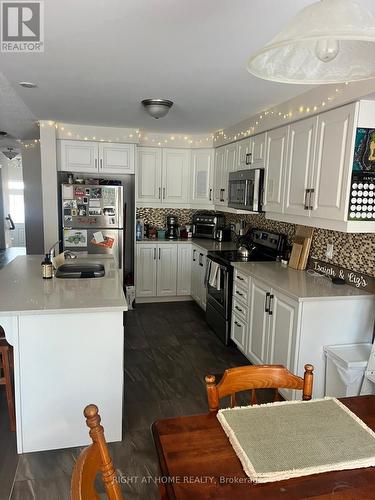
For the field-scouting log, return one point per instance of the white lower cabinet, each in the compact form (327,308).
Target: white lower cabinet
(163,270)
(271,327)
(198,272)
(166,280)
(184,269)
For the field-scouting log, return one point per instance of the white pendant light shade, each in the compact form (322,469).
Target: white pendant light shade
(330,41)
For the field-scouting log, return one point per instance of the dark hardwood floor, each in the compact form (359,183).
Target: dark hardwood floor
(168,350)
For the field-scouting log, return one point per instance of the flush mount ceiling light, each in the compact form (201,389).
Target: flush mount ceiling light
(27,85)
(10,154)
(157,107)
(330,41)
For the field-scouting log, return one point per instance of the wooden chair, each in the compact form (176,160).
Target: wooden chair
(250,377)
(6,364)
(93,459)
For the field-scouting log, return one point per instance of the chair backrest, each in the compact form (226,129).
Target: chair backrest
(251,377)
(93,459)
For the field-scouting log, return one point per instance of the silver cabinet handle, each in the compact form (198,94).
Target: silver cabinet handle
(201,259)
(270,306)
(238,308)
(306,206)
(266,304)
(96,163)
(311,198)
(239,278)
(238,324)
(223,195)
(159,253)
(101,163)
(159,193)
(163,193)
(194,252)
(154,253)
(239,293)
(210,194)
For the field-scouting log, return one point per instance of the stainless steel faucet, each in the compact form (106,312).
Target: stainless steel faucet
(51,250)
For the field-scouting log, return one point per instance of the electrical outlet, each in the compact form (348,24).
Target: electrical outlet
(329,251)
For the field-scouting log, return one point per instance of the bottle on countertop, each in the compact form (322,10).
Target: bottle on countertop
(47,268)
(138,231)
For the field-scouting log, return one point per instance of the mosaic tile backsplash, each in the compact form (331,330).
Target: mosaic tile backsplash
(353,251)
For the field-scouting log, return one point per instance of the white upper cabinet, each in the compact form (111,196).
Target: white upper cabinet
(116,158)
(175,175)
(219,175)
(77,156)
(275,169)
(258,151)
(148,179)
(201,177)
(163,176)
(299,166)
(95,157)
(244,149)
(332,167)
(230,165)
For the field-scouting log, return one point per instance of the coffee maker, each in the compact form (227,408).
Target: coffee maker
(172,226)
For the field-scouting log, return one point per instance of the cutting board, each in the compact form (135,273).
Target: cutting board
(301,247)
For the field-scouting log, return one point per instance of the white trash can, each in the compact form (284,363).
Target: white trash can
(345,368)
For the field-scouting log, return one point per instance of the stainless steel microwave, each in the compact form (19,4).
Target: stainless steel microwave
(246,189)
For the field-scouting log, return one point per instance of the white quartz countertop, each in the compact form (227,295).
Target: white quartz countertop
(204,243)
(300,285)
(24,291)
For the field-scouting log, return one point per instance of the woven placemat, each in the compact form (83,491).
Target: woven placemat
(288,439)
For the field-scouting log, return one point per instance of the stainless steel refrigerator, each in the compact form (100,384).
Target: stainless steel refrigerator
(92,219)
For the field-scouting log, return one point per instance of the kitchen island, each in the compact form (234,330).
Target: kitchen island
(67,337)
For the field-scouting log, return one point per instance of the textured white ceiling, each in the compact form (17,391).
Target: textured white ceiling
(102,58)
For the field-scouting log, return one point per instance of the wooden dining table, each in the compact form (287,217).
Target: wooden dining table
(198,462)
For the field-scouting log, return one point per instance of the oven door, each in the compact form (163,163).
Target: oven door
(220,298)
(204,230)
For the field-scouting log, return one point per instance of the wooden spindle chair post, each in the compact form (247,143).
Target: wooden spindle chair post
(251,377)
(93,459)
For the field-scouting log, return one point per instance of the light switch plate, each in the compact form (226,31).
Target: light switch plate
(329,251)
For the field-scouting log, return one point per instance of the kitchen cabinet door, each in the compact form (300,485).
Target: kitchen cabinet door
(275,169)
(184,270)
(194,273)
(167,270)
(176,176)
(78,156)
(202,290)
(243,154)
(116,158)
(301,148)
(258,150)
(230,165)
(238,332)
(148,178)
(333,163)
(146,270)
(201,181)
(282,330)
(218,175)
(258,323)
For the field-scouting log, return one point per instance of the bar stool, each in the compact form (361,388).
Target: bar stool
(6,362)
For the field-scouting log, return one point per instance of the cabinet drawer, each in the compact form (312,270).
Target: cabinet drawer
(241,279)
(240,293)
(240,310)
(238,331)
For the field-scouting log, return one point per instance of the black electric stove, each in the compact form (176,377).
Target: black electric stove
(262,246)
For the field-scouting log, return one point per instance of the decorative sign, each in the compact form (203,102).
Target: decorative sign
(352,278)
